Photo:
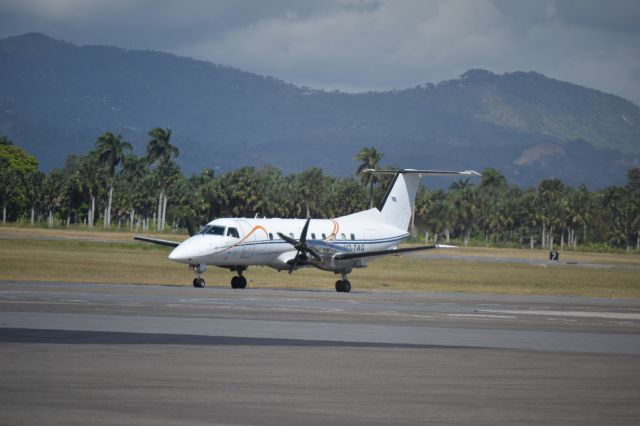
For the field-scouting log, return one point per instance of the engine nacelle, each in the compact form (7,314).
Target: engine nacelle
(280,263)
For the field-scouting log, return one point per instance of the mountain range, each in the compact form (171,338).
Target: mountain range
(56,98)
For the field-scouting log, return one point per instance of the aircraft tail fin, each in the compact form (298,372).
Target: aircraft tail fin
(397,205)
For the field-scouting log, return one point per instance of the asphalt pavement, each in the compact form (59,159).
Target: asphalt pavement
(120,354)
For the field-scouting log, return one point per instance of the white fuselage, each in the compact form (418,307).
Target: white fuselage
(232,242)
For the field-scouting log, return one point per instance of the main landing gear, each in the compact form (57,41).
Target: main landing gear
(238,281)
(343,285)
(198,282)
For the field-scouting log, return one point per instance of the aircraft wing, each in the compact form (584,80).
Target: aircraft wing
(157,241)
(354,255)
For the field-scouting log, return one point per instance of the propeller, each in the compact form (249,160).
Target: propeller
(300,245)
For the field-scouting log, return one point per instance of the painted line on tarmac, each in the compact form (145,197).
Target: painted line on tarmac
(575,314)
(481,316)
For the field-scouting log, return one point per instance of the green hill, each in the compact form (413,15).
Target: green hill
(56,98)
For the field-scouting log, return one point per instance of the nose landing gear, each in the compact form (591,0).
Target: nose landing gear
(198,281)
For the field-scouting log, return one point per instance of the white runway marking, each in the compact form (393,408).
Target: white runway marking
(481,316)
(577,314)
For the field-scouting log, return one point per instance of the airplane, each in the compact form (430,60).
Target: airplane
(336,245)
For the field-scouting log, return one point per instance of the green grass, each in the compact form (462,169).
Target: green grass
(122,261)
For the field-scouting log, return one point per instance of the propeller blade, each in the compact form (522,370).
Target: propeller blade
(288,239)
(303,235)
(300,246)
(295,262)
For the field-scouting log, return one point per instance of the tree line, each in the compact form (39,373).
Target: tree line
(113,188)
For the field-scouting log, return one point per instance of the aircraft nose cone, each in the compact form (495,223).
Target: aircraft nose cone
(191,251)
(179,254)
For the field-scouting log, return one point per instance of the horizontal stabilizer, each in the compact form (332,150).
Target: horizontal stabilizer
(156,241)
(347,256)
(426,172)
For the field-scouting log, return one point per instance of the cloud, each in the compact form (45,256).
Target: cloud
(360,45)
(385,46)
(157,24)
(397,44)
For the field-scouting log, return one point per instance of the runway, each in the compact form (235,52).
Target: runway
(73,353)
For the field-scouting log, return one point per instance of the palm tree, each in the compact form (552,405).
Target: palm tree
(464,201)
(92,180)
(53,189)
(111,151)
(309,186)
(492,179)
(71,197)
(421,208)
(160,151)
(550,195)
(616,203)
(578,213)
(33,185)
(276,192)
(440,216)
(633,185)
(527,215)
(134,171)
(240,188)
(370,158)
(491,192)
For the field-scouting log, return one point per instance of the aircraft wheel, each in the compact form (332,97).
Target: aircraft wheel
(242,282)
(339,286)
(198,282)
(235,282)
(346,286)
(195,282)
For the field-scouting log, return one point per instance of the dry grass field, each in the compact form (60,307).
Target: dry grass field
(28,254)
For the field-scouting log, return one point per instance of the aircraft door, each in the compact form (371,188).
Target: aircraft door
(248,244)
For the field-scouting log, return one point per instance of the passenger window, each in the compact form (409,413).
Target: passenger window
(270,236)
(291,234)
(313,236)
(233,232)
(324,236)
(343,237)
(353,237)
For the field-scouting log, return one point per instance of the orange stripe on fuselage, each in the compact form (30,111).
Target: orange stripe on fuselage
(336,226)
(255,228)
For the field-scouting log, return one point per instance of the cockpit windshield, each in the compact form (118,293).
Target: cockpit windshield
(212,230)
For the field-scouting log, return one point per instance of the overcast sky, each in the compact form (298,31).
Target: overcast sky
(359,45)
